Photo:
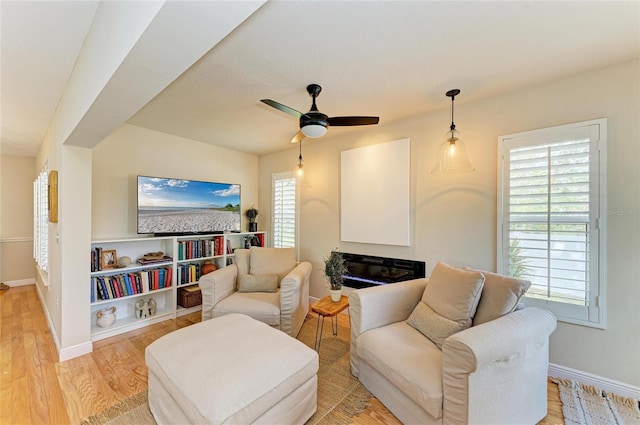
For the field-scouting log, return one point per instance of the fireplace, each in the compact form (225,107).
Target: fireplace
(368,270)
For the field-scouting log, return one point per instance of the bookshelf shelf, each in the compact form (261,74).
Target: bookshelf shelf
(182,269)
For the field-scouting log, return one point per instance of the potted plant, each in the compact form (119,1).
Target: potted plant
(335,268)
(251,214)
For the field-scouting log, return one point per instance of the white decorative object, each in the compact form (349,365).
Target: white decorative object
(106,317)
(335,294)
(124,261)
(142,309)
(152,306)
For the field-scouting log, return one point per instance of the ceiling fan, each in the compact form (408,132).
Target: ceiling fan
(314,123)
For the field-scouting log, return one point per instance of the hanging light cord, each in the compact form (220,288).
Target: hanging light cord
(300,157)
(453,126)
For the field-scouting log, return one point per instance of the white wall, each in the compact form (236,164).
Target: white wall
(453,218)
(131,151)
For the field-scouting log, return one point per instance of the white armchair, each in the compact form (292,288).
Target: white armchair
(264,283)
(493,372)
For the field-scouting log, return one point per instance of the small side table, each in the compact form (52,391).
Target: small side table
(324,307)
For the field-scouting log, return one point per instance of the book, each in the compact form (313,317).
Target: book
(168,277)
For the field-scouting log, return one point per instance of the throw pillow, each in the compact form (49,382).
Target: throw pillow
(257,283)
(500,296)
(432,325)
(278,261)
(453,293)
(242,258)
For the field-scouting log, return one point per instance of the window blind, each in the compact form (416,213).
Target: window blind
(284,210)
(549,219)
(40,219)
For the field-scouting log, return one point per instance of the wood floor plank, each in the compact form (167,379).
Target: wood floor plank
(20,408)
(37,394)
(86,392)
(55,398)
(121,366)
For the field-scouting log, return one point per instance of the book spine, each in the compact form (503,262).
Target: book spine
(156,278)
(161,278)
(122,284)
(136,280)
(144,277)
(168,277)
(92,282)
(104,294)
(115,293)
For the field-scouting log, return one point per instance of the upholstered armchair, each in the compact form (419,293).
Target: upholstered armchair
(264,283)
(453,349)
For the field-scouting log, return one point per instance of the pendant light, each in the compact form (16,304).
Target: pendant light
(299,172)
(300,166)
(452,157)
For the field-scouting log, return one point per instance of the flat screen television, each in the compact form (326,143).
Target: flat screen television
(169,206)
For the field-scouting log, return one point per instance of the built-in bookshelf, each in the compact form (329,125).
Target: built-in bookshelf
(154,270)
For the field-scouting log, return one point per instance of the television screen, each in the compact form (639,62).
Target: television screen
(177,206)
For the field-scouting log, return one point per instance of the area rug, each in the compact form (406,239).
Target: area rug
(340,395)
(588,405)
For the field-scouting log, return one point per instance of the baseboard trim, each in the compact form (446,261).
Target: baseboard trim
(620,388)
(75,351)
(66,353)
(52,328)
(20,282)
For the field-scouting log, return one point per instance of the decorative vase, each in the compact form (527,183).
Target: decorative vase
(335,294)
(207,267)
(253,227)
(106,317)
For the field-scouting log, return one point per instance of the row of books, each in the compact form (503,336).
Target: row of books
(188,273)
(96,259)
(126,284)
(200,248)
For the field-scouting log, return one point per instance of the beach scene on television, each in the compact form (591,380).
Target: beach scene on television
(187,206)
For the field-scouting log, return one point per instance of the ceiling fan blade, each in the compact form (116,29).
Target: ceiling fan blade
(344,121)
(298,137)
(283,108)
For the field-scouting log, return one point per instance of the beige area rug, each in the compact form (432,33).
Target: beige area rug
(589,405)
(340,395)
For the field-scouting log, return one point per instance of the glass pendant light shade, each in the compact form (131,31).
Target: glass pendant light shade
(298,170)
(453,157)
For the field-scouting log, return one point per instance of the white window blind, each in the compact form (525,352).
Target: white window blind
(40,219)
(551,208)
(284,210)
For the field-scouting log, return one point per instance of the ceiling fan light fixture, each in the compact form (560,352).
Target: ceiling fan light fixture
(314,130)
(452,156)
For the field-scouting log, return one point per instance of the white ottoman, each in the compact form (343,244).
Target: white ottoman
(231,370)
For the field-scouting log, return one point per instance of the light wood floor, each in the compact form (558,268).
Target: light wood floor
(36,389)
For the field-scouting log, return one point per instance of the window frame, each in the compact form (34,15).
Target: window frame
(275,177)
(593,315)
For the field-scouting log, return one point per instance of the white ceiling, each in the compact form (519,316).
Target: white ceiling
(390,59)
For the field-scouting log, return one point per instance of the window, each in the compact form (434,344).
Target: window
(285,212)
(552,198)
(40,219)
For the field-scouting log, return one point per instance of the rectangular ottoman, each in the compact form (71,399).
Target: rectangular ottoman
(231,370)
